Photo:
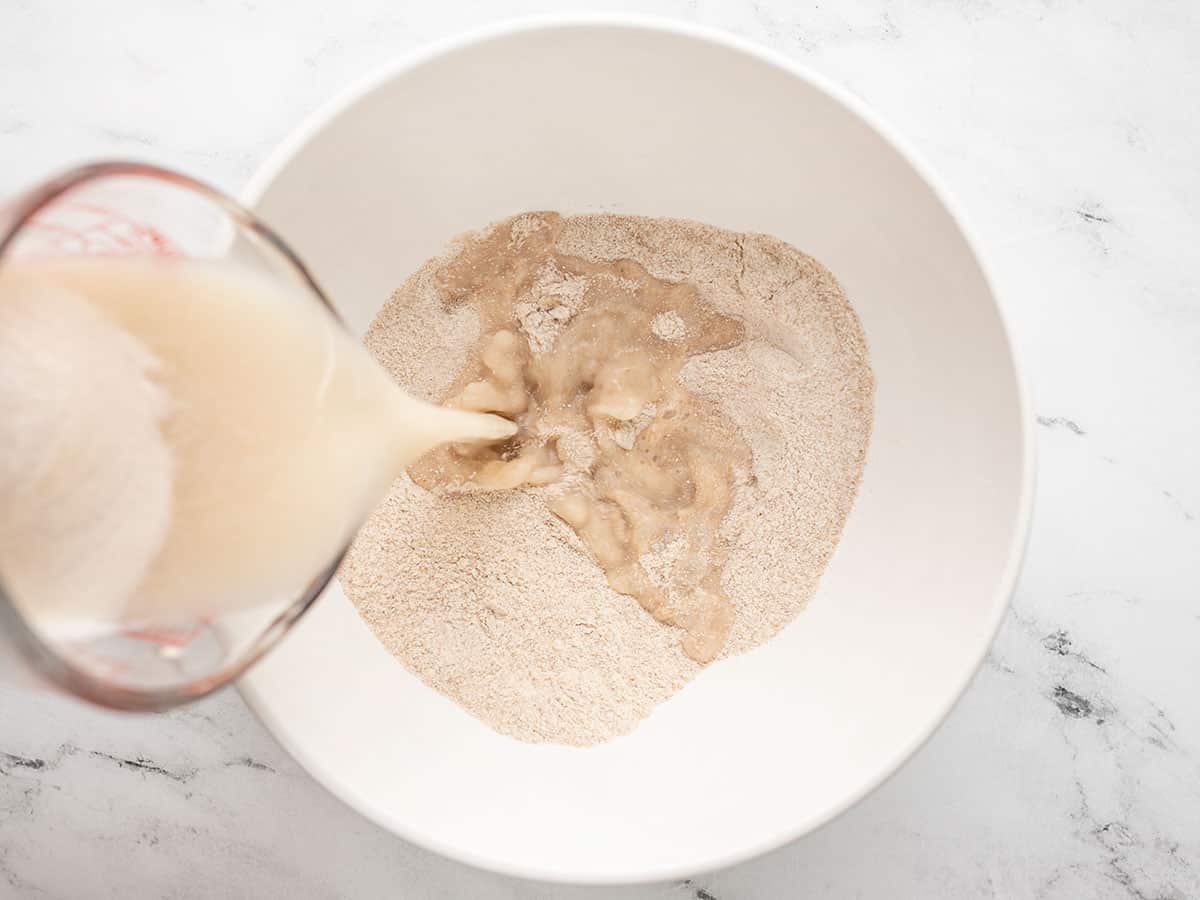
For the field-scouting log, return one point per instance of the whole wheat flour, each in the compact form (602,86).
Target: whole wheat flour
(493,599)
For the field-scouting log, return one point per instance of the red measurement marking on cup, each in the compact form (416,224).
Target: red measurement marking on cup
(170,637)
(89,229)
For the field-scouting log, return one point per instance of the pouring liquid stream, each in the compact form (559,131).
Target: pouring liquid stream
(183,440)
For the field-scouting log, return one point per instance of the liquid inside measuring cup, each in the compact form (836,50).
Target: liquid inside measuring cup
(184,443)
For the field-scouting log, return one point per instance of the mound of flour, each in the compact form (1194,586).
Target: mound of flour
(494,601)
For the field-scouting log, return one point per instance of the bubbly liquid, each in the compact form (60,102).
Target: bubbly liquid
(180,440)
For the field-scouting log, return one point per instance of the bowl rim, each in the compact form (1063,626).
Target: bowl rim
(277,160)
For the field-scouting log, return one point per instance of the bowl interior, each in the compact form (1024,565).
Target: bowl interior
(758,749)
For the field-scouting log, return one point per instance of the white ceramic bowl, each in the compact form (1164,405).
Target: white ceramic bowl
(636,116)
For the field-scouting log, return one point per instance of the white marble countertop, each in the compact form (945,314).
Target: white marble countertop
(1071,769)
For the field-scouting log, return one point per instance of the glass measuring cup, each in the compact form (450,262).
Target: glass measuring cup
(135,210)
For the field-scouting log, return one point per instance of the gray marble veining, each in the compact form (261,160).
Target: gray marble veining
(1071,768)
